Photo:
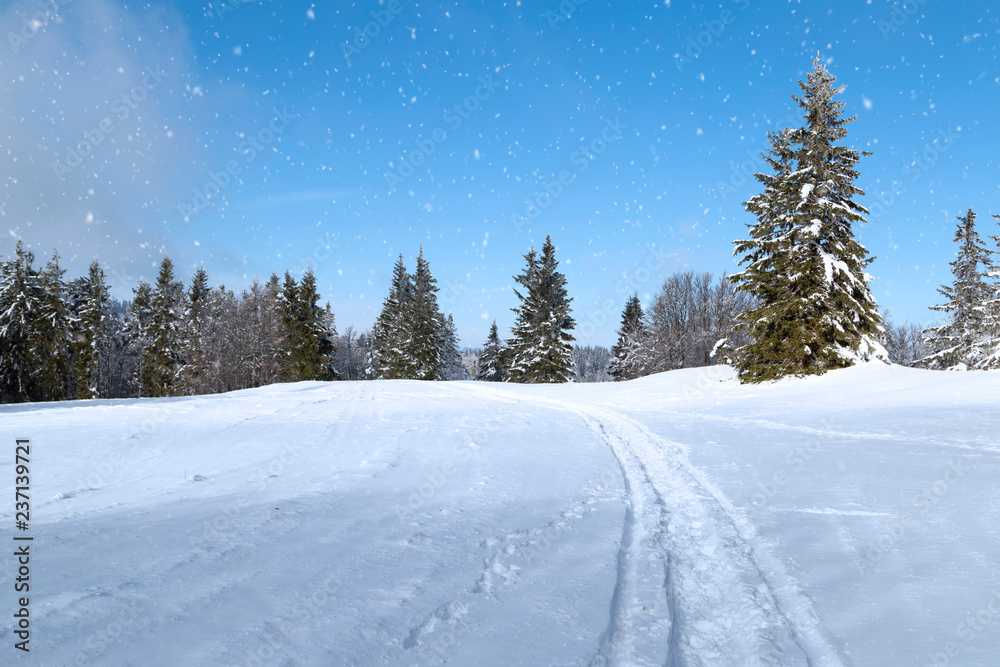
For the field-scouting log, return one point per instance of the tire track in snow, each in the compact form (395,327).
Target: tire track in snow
(722,598)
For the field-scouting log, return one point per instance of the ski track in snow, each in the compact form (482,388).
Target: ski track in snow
(696,585)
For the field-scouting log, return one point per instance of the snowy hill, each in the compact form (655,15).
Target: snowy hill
(683,518)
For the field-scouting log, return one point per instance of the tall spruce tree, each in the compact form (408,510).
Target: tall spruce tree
(21,306)
(804,268)
(90,330)
(308,341)
(424,325)
(164,350)
(289,307)
(52,370)
(965,341)
(138,325)
(388,360)
(540,348)
(627,356)
(328,344)
(489,366)
(451,367)
(992,358)
(195,325)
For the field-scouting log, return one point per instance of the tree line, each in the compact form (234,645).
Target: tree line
(69,339)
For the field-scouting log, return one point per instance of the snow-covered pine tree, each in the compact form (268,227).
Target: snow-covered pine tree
(90,330)
(520,347)
(194,372)
(163,352)
(991,360)
(20,309)
(138,325)
(424,325)
(489,366)
(628,354)
(389,335)
(964,341)
(52,369)
(308,344)
(288,304)
(271,332)
(328,343)
(804,268)
(540,349)
(451,359)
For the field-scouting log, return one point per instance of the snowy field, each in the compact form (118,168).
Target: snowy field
(681,519)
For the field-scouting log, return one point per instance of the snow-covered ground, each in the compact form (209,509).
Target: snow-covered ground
(681,519)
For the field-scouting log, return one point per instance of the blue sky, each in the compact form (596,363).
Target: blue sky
(117,118)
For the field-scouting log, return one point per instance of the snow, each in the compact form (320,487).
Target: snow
(846,519)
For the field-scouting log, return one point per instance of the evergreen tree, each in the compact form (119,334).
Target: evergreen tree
(520,346)
(451,367)
(90,331)
(138,326)
(804,269)
(965,341)
(540,348)
(389,335)
(21,306)
(627,356)
(991,359)
(316,332)
(308,340)
(424,325)
(269,332)
(288,306)
(328,344)
(52,338)
(164,350)
(196,356)
(489,367)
